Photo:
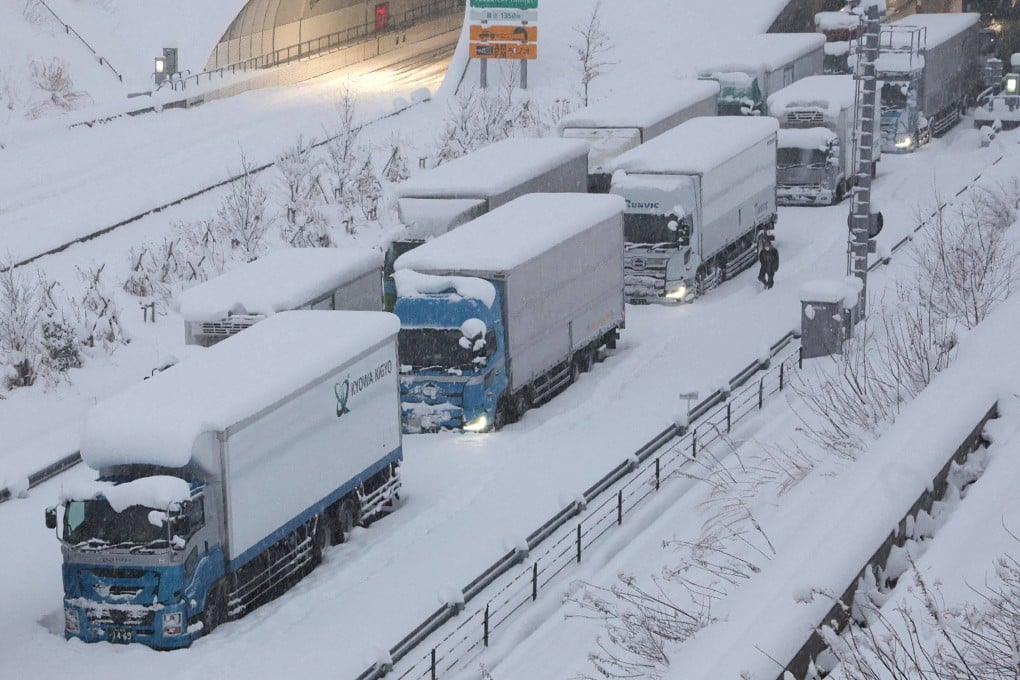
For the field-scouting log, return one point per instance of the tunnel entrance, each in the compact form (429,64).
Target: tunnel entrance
(272,32)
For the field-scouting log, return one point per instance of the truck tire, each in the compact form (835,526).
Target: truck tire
(346,519)
(501,416)
(215,611)
(321,538)
(521,404)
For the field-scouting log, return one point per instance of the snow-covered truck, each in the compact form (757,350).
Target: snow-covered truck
(223,479)
(761,65)
(434,202)
(816,158)
(502,313)
(623,122)
(283,280)
(842,31)
(929,67)
(698,199)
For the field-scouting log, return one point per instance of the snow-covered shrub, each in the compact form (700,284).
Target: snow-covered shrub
(98,314)
(968,261)
(341,147)
(395,169)
(21,318)
(477,118)
(300,182)
(368,188)
(242,214)
(192,253)
(55,87)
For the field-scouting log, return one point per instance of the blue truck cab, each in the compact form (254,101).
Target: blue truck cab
(142,574)
(453,359)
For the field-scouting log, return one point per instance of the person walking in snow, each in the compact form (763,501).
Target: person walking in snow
(769,259)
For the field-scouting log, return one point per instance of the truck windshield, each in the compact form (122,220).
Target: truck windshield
(436,348)
(94,524)
(894,95)
(793,157)
(655,229)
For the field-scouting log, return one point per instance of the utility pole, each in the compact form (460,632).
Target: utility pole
(860,208)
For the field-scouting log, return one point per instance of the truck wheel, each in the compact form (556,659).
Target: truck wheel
(501,417)
(521,404)
(346,517)
(215,611)
(320,539)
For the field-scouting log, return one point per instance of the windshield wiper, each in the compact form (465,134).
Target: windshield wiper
(149,546)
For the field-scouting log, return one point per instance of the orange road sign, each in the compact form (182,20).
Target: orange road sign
(503,51)
(504,33)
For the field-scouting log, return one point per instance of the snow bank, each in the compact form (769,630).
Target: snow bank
(412,284)
(158,421)
(158,491)
(642,107)
(764,53)
(807,138)
(493,169)
(828,94)
(514,233)
(697,146)
(767,620)
(282,280)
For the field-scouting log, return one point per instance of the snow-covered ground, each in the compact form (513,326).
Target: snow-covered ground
(467,497)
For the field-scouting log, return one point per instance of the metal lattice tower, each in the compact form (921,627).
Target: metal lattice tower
(860,207)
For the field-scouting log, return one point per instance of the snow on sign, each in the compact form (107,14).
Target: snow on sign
(504,4)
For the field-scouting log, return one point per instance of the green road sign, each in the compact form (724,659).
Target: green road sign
(504,4)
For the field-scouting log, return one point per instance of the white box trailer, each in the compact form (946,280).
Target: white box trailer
(542,275)
(288,279)
(224,477)
(494,175)
(761,65)
(629,119)
(697,198)
(817,147)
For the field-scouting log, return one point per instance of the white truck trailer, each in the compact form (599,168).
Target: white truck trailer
(698,198)
(283,280)
(223,478)
(499,315)
(761,65)
(817,158)
(628,119)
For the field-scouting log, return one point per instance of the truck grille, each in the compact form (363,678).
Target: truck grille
(229,326)
(111,616)
(804,119)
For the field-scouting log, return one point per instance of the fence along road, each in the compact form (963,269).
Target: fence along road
(566,536)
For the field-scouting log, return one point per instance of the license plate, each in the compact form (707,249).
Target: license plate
(120,635)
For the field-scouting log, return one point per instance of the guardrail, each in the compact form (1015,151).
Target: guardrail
(575,528)
(69,30)
(323,45)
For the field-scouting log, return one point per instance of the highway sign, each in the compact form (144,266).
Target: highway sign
(499,33)
(504,51)
(504,4)
(506,16)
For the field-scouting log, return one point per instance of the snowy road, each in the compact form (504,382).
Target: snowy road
(469,497)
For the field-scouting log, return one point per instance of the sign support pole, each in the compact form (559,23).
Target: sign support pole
(483,73)
(524,74)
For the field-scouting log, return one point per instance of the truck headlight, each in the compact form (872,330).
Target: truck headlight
(904,141)
(477,425)
(172,623)
(678,293)
(72,624)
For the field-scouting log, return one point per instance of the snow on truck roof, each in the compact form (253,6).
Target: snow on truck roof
(697,146)
(278,281)
(829,93)
(512,234)
(493,169)
(940,27)
(765,52)
(642,107)
(157,421)
(805,138)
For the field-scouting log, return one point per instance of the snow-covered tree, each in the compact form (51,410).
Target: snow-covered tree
(591,48)
(341,147)
(21,318)
(242,215)
(300,182)
(396,167)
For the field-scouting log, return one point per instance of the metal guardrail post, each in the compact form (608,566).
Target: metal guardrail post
(485,637)
(619,507)
(782,375)
(761,393)
(534,581)
(658,474)
(433,664)
(579,542)
(729,417)
(694,443)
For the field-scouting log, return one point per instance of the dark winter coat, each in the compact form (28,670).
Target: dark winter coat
(769,259)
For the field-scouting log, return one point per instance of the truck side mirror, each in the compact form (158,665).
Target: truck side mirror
(51,518)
